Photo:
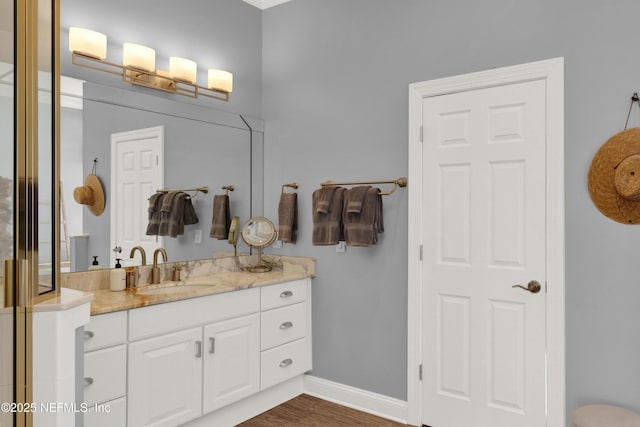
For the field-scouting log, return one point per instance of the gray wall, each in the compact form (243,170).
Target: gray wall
(335,76)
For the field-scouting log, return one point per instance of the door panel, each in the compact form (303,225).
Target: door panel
(137,173)
(483,228)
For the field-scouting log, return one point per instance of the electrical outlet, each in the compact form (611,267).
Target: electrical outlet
(341,247)
(197,238)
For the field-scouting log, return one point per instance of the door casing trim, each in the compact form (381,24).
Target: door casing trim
(552,71)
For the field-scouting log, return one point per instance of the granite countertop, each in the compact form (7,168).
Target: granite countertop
(198,282)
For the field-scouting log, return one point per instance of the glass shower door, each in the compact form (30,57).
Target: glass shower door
(28,189)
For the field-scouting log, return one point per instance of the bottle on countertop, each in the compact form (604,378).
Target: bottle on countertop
(117,277)
(95,265)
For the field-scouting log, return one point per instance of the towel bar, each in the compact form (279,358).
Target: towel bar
(400,182)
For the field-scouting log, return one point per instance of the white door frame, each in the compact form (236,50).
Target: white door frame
(552,71)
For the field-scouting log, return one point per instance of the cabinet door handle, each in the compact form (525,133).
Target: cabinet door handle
(212,345)
(198,348)
(286,325)
(88,381)
(286,294)
(285,363)
(88,335)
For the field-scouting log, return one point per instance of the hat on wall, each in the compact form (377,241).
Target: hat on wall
(91,195)
(614,177)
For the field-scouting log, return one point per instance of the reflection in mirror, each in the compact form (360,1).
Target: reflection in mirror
(259,232)
(233,234)
(46,215)
(200,147)
(6,162)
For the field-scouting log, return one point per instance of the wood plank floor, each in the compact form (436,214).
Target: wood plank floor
(308,411)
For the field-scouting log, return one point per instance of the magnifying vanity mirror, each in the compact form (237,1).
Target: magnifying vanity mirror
(258,232)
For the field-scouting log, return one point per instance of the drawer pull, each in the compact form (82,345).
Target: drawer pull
(198,349)
(212,345)
(285,363)
(286,325)
(286,294)
(88,381)
(88,335)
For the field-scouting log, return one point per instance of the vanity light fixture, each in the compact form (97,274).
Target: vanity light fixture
(89,49)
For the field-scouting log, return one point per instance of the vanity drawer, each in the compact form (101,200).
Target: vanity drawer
(105,330)
(108,414)
(282,294)
(105,374)
(282,363)
(283,325)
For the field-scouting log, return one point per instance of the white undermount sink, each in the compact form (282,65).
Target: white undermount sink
(226,278)
(172,289)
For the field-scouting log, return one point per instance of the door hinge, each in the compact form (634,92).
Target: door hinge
(420,372)
(420,252)
(421,134)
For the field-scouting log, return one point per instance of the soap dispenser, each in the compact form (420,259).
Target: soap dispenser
(95,265)
(117,277)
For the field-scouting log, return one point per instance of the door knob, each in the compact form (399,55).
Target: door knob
(533,287)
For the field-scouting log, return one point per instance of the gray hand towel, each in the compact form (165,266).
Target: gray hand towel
(172,214)
(356,197)
(361,229)
(325,197)
(221,217)
(288,217)
(190,215)
(327,226)
(155,203)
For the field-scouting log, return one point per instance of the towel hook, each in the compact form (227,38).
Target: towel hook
(228,188)
(293,185)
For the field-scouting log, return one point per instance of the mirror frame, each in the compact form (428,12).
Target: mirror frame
(272,238)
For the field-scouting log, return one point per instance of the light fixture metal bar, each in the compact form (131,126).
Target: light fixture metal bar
(154,80)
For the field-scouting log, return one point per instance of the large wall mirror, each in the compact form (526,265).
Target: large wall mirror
(191,146)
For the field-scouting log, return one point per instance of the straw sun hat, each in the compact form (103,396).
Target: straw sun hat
(614,177)
(91,194)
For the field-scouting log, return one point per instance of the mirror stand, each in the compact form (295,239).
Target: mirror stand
(262,267)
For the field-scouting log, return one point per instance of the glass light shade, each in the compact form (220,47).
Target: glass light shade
(138,56)
(221,80)
(87,42)
(182,69)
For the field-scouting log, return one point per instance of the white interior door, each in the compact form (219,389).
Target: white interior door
(137,171)
(483,225)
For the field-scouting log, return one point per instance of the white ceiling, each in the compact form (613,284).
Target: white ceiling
(265,4)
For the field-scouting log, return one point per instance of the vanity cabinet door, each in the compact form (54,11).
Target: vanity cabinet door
(165,379)
(231,361)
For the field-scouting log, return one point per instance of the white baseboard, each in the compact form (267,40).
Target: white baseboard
(362,400)
(251,406)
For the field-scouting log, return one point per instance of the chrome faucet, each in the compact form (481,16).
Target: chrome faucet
(142,252)
(155,270)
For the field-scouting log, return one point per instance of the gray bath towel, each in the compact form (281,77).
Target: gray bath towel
(221,217)
(288,217)
(327,216)
(361,229)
